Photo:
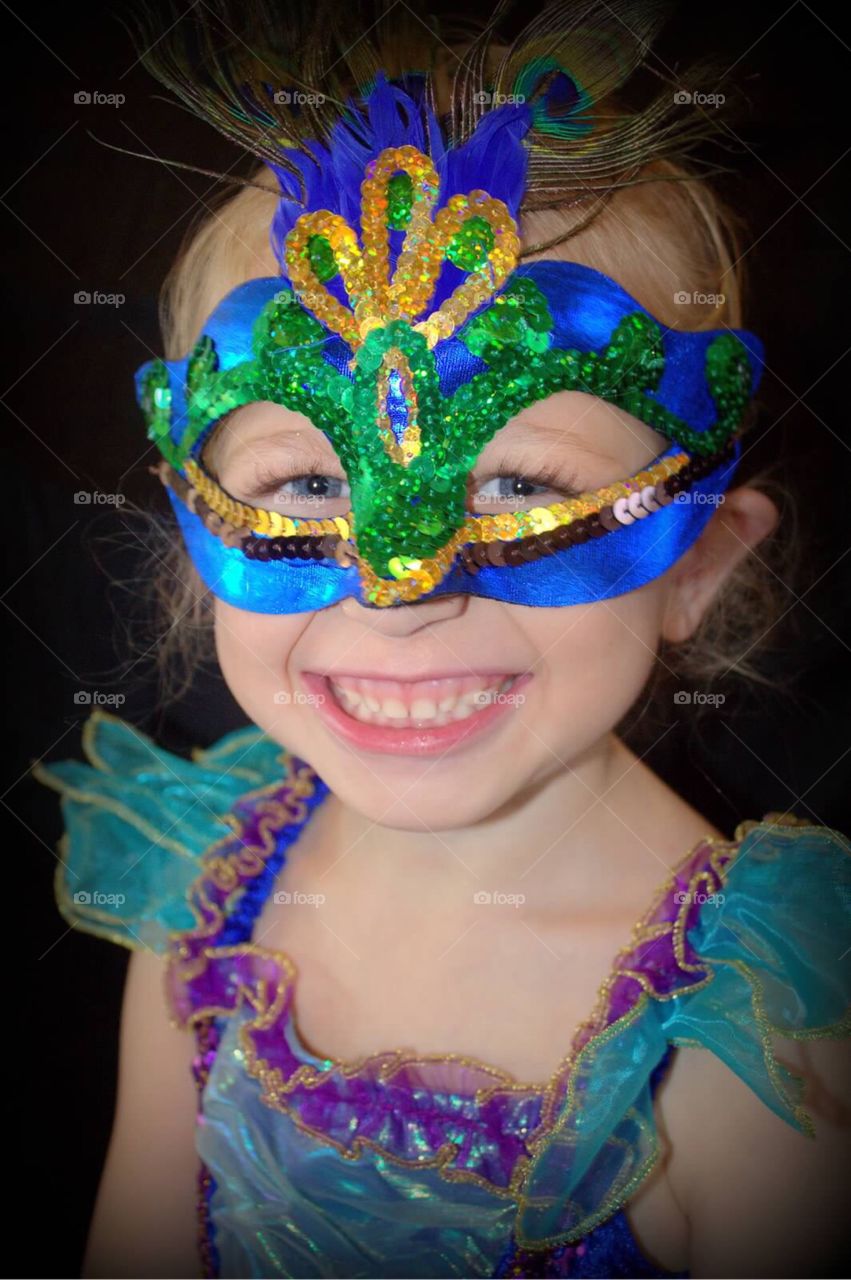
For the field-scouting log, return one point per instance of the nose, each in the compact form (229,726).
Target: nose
(405,619)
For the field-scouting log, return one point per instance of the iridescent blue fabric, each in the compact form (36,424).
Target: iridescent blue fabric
(152,815)
(318,1169)
(287,1204)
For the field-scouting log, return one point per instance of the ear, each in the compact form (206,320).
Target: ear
(741,522)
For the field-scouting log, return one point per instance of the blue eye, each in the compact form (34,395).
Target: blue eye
(516,486)
(312,487)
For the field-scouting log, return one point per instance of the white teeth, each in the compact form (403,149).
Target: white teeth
(371,709)
(347,697)
(394,708)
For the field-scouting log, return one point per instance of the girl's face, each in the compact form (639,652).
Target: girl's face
(394,708)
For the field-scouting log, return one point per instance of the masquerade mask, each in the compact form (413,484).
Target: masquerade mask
(410,345)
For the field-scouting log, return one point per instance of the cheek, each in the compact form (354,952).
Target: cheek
(596,660)
(253,650)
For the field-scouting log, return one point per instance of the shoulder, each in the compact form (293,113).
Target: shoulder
(761,1197)
(138,821)
(757,1105)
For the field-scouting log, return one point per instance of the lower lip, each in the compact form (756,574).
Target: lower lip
(406,741)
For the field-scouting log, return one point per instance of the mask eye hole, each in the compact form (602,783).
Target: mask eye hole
(313,495)
(515,488)
(274,459)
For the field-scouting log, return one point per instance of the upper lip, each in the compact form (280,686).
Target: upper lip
(407,678)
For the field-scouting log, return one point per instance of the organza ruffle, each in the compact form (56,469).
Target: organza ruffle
(137,821)
(473,1120)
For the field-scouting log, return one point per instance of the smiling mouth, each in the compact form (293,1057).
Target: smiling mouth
(418,704)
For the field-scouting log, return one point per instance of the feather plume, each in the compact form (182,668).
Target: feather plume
(314,89)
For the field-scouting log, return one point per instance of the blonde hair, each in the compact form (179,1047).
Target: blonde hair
(668,239)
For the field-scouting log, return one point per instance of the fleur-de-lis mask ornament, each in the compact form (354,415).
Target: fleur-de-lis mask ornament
(410,341)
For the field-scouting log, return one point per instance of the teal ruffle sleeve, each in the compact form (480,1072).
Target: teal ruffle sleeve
(137,820)
(780,949)
(770,954)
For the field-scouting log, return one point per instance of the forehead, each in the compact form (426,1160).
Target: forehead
(572,420)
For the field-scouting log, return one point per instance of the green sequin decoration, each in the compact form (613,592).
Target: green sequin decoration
(469,248)
(400,201)
(400,510)
(729,376)
(283,322)
(156,406)
(203,362)
(407,513)
(519,315)
(321,257)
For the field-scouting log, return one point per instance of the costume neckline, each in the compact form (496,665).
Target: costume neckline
(494,1129)
(700,855)
(236,861)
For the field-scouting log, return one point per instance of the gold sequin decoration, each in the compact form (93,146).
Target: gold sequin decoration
(375,298)
(256,519)
(311,291)
(390,297)
(502,259)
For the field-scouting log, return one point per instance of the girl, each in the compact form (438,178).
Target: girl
(451,451)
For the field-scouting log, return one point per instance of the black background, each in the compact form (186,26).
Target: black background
(79,217)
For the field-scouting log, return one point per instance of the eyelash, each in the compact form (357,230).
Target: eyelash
(269,481)
(550,474)
(546,473)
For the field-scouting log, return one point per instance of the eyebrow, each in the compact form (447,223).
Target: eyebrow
(519,431)
(282,437)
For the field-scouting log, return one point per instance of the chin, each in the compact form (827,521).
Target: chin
(415,797)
